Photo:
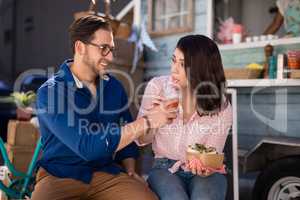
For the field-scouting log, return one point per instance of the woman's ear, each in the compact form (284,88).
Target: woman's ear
(80,47)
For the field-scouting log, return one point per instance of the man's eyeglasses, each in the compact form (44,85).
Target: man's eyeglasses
(105,48)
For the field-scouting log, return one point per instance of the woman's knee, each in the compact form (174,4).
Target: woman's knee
(178,195)
(159,177)
(216,180)
(166,185)
(213,187)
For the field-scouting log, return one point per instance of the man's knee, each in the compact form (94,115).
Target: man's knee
(137,190)
(51,188)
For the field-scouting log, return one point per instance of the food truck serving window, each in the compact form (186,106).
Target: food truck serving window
(170,16)
(257,19)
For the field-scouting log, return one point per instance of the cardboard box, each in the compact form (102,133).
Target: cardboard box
(20,156)
(214,161)
(22,133)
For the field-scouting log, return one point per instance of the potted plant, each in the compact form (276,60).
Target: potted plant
(24,101)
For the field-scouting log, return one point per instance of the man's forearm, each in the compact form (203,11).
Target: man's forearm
(131,132)
(276,23)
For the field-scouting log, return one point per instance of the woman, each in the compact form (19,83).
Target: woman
(204,117)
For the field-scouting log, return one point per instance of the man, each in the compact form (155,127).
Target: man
(85,149)
(288,13)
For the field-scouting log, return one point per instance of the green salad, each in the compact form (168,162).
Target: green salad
(201,148)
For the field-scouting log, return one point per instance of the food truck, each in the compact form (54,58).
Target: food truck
(267,111)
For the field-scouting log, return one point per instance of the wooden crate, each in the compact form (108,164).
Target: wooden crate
(22,133)
(235,73)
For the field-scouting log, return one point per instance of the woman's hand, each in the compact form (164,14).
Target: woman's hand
(197,168)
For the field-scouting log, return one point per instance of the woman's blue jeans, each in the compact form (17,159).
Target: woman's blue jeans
(184,185)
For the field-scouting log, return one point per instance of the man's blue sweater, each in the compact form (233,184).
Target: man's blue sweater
(80,133)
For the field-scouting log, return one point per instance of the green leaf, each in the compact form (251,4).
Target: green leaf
(24,99)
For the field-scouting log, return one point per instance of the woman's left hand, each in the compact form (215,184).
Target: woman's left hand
(196,167)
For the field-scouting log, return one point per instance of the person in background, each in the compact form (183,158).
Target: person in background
(87,152)
(288,14)
(204,116)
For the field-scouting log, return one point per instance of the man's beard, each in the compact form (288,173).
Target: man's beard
(93,66)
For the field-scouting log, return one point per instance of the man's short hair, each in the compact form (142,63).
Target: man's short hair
(83,29)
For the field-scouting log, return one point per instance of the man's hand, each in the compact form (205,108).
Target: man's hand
(129,165)
(137,177)
(162,112)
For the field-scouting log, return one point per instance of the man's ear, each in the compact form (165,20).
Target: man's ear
(79,47)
